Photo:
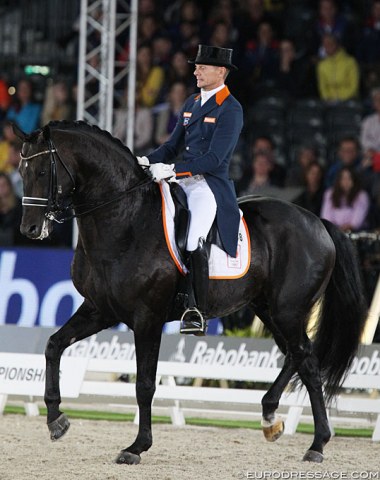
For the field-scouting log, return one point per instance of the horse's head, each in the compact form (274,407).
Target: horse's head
(47,182)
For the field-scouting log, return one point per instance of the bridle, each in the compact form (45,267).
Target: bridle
(56,210)
(54,202)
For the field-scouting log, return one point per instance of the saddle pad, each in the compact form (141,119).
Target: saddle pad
(221,265)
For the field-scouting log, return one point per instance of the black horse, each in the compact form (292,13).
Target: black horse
(124,271)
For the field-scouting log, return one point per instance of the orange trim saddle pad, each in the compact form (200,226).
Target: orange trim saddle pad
(221,265)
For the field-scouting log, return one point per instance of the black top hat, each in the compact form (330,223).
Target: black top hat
(220,57)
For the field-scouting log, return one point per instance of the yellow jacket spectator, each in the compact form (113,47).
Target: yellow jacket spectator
(338,74)
(6,139)
(150,78)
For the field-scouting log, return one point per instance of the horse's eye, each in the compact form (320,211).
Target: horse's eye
(42,173)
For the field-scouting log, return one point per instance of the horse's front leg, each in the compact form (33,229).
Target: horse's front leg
(85,322)
(147,343)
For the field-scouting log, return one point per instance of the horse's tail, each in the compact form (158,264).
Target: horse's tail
(342,314)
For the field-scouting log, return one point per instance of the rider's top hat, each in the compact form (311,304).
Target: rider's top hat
(220,57)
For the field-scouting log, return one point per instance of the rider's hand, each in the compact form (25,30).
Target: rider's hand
(162,171)
(143,161)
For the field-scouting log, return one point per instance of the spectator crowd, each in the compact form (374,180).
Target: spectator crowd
(308,80)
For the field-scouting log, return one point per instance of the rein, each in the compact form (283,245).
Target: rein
(54,203)
(144,182)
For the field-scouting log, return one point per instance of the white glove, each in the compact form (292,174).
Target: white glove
(143,161)
(162,171)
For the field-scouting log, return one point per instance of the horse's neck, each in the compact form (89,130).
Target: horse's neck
(128,215)
(102,173)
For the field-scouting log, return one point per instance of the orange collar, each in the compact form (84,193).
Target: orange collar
(219,96)
(222,95)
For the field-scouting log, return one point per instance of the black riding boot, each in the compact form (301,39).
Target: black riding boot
(193,320)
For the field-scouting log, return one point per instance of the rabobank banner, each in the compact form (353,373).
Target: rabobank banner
(210,350)
(36,287)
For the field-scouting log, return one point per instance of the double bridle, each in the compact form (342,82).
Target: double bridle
(55,208)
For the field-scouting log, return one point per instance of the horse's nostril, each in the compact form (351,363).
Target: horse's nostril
(29,231)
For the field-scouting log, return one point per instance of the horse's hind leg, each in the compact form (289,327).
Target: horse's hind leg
(306,364)
(273,425)
(308,369)
(147,343)
(83,323)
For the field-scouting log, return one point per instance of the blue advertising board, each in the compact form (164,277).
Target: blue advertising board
(36,288)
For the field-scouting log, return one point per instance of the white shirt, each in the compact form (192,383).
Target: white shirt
(206,95)
(370,132)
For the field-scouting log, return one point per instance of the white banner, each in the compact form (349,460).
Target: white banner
(24,374)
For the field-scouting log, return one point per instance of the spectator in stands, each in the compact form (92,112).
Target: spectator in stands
(5,98)
(220,35)
(24,110)
(188,38)
(331,21)
(295,75)
(370,130)
(346,204)
(223,12)
(296,174)
(7,137)
(186,31)
(162,47)
(180,71)
(261,55)
(13,162)
(149,78)
(264,144)
(143,125)
(10,213)
(57,103)
(168,116)
(311,198)
(148,30)
(251,15)
(368,47)
(348,155)
(260,179)
(338,74)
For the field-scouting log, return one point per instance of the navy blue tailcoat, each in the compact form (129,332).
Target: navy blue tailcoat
(206,137)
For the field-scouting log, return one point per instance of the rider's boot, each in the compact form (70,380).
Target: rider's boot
(193,320)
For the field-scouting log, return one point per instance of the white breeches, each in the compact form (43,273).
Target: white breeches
(202,205)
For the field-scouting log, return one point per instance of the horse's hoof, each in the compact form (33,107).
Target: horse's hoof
(274,432)
(313,456)
(128,458)
(59,427)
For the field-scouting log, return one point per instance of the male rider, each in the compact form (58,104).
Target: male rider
(206,135)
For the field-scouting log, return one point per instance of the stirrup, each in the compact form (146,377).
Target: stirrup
(196,326)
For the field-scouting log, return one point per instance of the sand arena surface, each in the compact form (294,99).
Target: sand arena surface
(89,448)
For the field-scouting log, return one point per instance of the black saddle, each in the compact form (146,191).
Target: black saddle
(182,217)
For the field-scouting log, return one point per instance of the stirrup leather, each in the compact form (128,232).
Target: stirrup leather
(189,326)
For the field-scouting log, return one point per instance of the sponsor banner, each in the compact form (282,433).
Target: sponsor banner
(24,374)
(215,350)
(36,288)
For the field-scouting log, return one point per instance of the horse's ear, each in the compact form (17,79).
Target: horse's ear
(46,132)
(18,132)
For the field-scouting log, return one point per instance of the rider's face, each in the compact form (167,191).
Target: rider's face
(209,77)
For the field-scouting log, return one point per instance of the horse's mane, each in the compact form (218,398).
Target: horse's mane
(80,125)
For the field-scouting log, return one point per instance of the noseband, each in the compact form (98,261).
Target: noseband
(54,202)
